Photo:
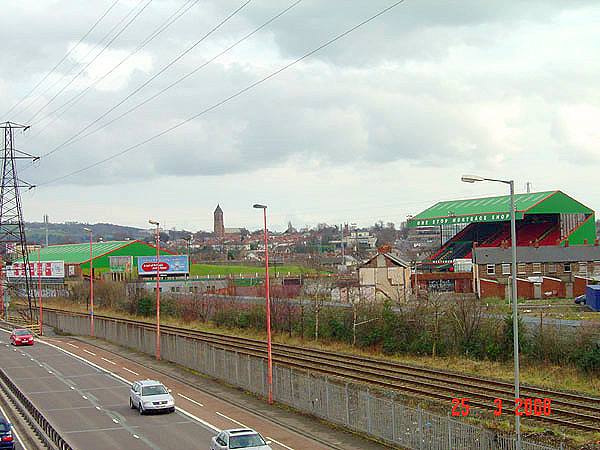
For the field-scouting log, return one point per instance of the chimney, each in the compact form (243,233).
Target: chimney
(566,242)
(585,242)
(596,242)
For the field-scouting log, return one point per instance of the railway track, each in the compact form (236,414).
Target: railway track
(567,409)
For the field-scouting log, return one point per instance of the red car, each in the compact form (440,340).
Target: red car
(21,336)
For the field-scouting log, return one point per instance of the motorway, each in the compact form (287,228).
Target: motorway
(83,391)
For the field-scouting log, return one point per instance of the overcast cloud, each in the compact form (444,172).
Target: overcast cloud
(379,125)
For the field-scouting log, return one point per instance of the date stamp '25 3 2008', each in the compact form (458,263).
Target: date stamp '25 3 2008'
(523,407)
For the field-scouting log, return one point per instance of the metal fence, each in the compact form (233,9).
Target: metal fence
(352,405)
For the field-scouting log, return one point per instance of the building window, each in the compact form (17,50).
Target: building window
(583,268)
(521,268)
(505,269)
(552,268)
(537,267)
(491,269)
(567,267)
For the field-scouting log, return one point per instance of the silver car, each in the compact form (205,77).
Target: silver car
(150,395)
(239,438)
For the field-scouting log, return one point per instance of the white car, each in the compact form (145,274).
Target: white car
(150,395)
(239,438)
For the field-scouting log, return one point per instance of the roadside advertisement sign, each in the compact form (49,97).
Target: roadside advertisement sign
(43,269)
(120,264)
(169,265)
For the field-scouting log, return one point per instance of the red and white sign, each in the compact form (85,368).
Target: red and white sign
(43,269)
(150,267)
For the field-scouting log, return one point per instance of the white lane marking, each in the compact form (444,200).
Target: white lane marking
(190,400)
(118,377)
(278,443)
(109,361)
(130,371)
(87,351)
(13,430)
(72,345)
(203,422)
(233,420)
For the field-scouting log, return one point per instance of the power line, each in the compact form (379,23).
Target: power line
(148,81)
(45,77)
(84,58)
(73,140)
(227,99)
(166,24)
(95,57)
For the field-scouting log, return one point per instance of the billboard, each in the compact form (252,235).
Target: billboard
(169,265)
(43,269)
(120,264)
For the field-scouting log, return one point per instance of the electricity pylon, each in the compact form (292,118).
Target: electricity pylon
(12,226)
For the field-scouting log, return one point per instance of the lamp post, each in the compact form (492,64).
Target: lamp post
(39,268)
(91,283)
(153,222)
(189,240)
(513,276)
(268,302)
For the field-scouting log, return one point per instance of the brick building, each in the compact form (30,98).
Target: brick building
(541,271)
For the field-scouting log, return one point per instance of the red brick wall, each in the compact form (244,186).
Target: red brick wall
(524,289)
(579,284)
(491,289)
(555,286)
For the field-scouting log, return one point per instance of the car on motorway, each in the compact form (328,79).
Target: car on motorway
(239,438)
(6,435)
(150,395)
(21,336)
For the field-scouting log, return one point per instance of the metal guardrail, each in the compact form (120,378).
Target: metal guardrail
(35,413)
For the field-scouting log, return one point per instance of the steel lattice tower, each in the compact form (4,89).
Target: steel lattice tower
(12,227)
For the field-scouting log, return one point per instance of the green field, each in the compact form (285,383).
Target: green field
(224,270)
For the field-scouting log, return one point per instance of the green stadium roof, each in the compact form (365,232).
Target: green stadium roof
(496,209)
(77,253)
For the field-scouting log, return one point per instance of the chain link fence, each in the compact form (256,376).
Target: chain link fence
(351,405)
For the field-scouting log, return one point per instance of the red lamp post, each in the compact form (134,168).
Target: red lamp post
(153,222)
(91,283)
(39,268)
(268,302)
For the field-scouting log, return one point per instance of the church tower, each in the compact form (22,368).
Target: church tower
(219,225)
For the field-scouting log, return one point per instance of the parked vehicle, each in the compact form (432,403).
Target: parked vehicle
(21,336)
(580,300)
(150,395)
(239,438)
(6,436)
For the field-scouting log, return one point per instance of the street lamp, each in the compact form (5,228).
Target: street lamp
(39,268)
(189,240)
(268,302)
(513,276)
(91,283)
(154,222)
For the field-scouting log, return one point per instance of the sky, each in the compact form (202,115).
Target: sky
(378,125)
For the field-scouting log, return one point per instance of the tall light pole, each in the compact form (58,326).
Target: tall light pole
(153,222)
(39,268)
(188,240)
(513,276)
(89,230)
(268,301)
